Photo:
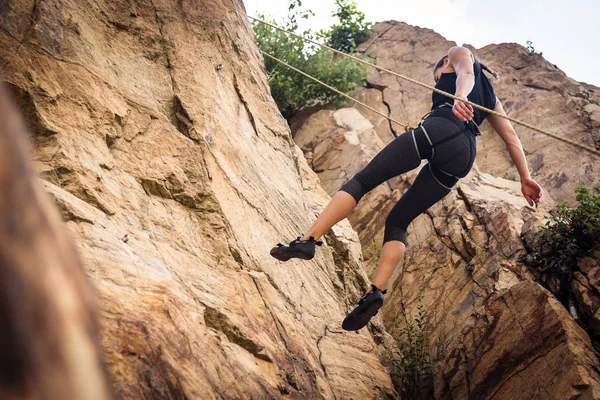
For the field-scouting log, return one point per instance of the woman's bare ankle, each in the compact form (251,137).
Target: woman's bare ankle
(380,286)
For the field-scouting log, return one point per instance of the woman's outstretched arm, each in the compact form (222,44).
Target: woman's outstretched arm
(530,188)
(461,60)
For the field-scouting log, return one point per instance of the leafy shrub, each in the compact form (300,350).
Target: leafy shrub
(416,358)
(570,233)
(292,91)
(351,29)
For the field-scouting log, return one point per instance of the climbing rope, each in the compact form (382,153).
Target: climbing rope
(406,127)
(424,85)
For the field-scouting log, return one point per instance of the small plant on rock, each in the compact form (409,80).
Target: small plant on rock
(570,233)
(532,49)
(416,358)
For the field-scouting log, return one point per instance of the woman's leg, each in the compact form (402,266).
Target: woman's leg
(338,208)
(391,254)
(430,186)
(398,157)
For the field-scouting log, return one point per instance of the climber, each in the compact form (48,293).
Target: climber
(446,138)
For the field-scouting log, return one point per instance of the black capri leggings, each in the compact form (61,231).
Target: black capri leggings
(449,146)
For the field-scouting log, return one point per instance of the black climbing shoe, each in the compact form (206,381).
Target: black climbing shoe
(367,307)
(304,249)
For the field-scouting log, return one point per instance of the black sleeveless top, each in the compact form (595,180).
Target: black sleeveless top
(482,93)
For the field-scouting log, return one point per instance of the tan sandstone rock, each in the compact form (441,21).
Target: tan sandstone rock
(586,289)
(154,130)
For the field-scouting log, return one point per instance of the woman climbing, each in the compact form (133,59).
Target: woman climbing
(446,138)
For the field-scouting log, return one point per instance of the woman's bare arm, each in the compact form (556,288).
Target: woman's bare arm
(531,190)
(461,59)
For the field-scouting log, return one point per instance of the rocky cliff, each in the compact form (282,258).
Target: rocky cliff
(153,129)
(499,332)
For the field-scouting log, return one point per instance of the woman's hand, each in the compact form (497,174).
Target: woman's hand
(463,111)
(532,191)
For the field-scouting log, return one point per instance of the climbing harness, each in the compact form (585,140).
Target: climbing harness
(464,128)
(470,124)
(429,87)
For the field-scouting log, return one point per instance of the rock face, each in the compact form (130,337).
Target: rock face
(498,332)
(505,336)
(531,89)
(586,289)
(154,131)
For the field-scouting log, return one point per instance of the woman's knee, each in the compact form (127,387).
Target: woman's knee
(394,230)
(356,187)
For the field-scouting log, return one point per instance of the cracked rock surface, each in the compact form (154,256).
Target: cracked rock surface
(154,130)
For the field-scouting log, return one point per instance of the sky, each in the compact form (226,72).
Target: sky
(568,33)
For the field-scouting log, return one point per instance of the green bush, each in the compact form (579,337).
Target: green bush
(292,91)
(351,29)
(416,358)
(570,232)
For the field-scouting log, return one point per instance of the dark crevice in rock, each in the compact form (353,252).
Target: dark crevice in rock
(374,41)
(320,351)
(448,242)
(238,90)
(463,197)
(215,319)
(292,145)
(389,114)
(156,188)
(381,88)
(163,40)
(181,119)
